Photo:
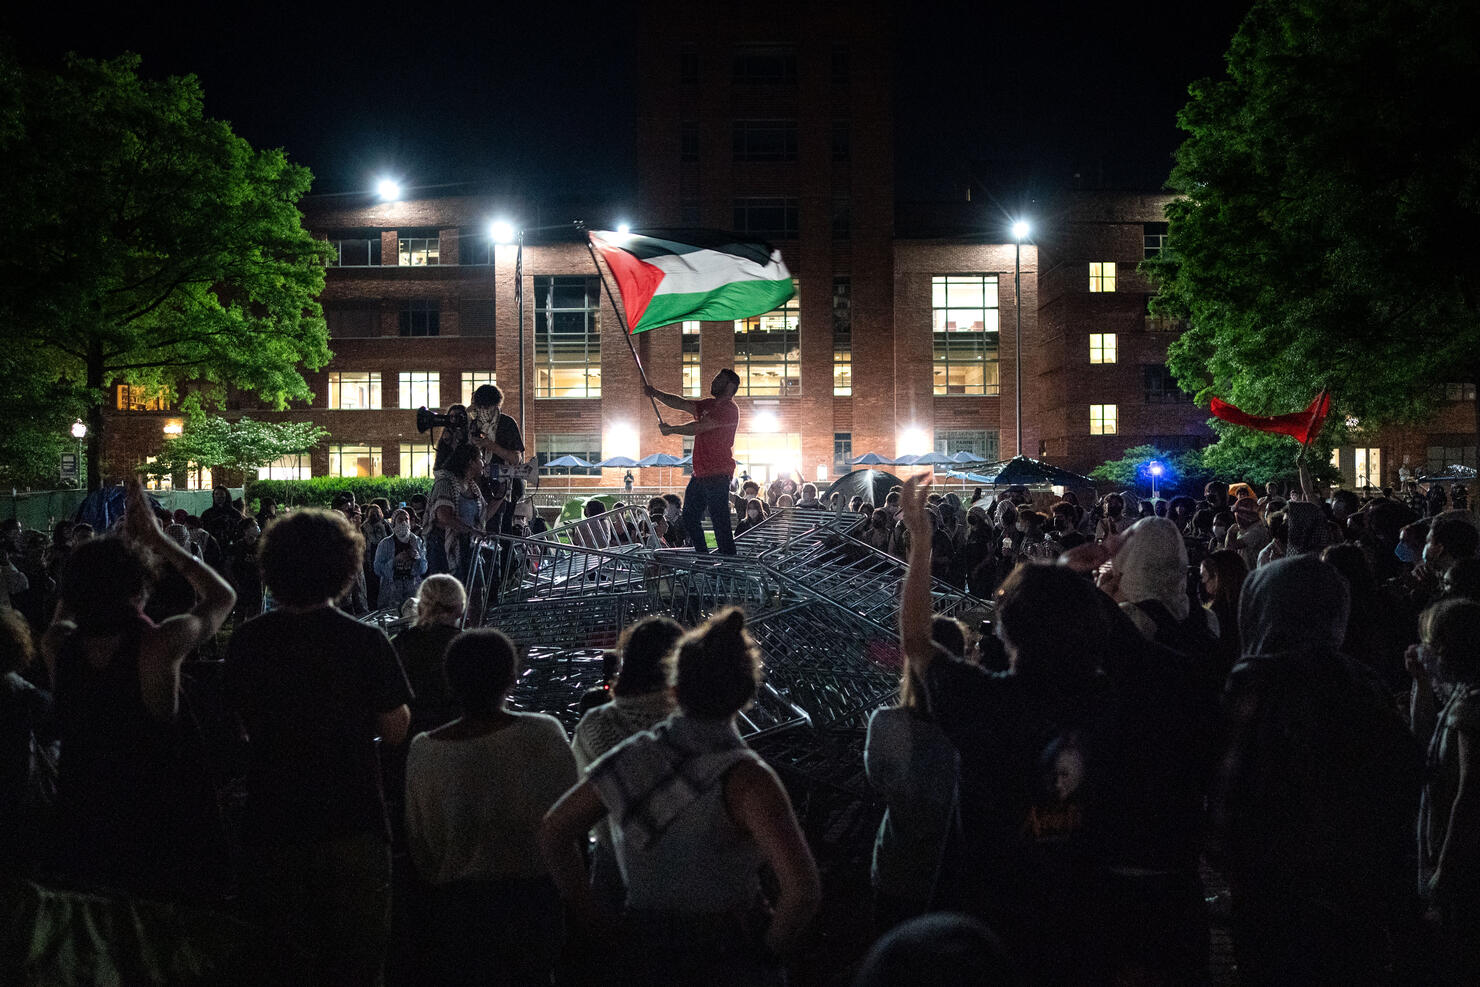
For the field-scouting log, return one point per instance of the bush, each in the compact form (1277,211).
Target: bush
(320,491)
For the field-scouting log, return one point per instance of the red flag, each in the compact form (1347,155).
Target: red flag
(1301,425)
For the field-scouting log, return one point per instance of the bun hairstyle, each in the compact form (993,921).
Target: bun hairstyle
(717,667)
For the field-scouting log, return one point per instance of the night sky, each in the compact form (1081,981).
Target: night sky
(1014,99)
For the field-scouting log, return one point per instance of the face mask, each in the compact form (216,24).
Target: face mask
(1219,531)
(753,515)
(402,530)
(1407,553)
(670,513)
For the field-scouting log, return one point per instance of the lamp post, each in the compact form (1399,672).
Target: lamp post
(79,432)
(1155,469)
(1019,231)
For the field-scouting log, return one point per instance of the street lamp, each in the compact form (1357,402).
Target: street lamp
(1019,233)
(388,189)
(1156,470)
(79,432)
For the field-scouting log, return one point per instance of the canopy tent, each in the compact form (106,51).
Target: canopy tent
(1032,472)
(963,457)
(102,508)
(1456,473)
(872,485)
(870,459)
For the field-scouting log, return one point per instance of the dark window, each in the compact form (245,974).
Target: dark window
(582,445)
(766,65)
(1156,238)
(1454,392)
(1450,450)
(1160,387)
(474,247)
(688,141)
(359,248)
(840,65)
(842,140)
(765,140)
(842,305)
(688,64)
(421,317)
(842,450)
(348,321)
(842,216)
(777,218)
(475,317)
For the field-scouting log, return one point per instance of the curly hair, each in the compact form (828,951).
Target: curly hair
(645,647)
(310,556)
(716,667)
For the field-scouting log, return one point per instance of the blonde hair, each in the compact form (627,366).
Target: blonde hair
(440,595)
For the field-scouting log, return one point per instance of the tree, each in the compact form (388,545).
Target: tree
(1329,190)
(241,446)
(150,245)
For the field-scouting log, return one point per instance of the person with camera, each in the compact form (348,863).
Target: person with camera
(457,510)
(498,436)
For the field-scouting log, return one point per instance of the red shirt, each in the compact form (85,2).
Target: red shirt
(714,449)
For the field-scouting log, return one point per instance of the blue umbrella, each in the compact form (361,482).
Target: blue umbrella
(617,463)
(967,457)
(659,459)
(908,459)
(933,459)
(871,459)
(568,462)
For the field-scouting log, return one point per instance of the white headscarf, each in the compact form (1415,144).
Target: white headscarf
(1152,565)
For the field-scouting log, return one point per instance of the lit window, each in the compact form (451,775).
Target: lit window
(471,381)
(1104,419)
(964,323)
(419,251)
(1102,276)
(769,455)
(286,468)
(354,390)
(842,365)
(157,481)
(198,478)
(421,317)
(139,398)
(1445,451)
(353,460)
(768,352)
(416,461)
(1369,468)
(1102,347)
(420,389)
(693,381)
(567,337)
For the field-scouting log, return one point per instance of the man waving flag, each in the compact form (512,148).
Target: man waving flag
(698,275)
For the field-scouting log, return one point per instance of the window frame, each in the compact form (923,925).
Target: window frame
(427,246)
(583,445)
(1103,421)
(430,383)
(751,139)
(546,360)
(1102,276)
(469,381)
(338,450)
(419,318)
(986,342)
(336,382)
(1107,348)
(789,316)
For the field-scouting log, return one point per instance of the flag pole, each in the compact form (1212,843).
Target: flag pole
(622,321)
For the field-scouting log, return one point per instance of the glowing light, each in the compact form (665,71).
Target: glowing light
(79,430)
(914,442)
(502,231)
(624,228)
(1156,469)
(621,440)
(174,430)
(764,421)
(822,471)
(1020,230)
(388,189)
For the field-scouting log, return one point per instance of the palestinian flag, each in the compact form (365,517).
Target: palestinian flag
(704,275)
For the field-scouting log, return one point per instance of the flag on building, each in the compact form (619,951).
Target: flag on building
(1300,425)
(705,275)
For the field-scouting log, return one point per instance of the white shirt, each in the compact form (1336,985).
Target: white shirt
(474,807)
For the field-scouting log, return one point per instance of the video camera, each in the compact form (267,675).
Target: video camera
(455,417)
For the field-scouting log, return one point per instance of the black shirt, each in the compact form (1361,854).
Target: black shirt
(308,688)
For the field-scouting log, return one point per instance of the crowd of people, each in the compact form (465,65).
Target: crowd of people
(1280,687)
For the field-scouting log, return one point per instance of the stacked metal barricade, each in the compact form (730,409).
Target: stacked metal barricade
(822,605)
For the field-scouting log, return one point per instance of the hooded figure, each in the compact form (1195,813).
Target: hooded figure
(1318,772)
(1152,565)
(1307,528)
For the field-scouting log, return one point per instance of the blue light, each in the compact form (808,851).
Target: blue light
(1155,468)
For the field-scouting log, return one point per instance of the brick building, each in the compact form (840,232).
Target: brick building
(895,342)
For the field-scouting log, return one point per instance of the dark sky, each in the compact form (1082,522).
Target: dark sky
(1013,97)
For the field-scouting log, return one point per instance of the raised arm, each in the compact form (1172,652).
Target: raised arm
(673,401)
(696,427)
(164,648)
(915,612)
